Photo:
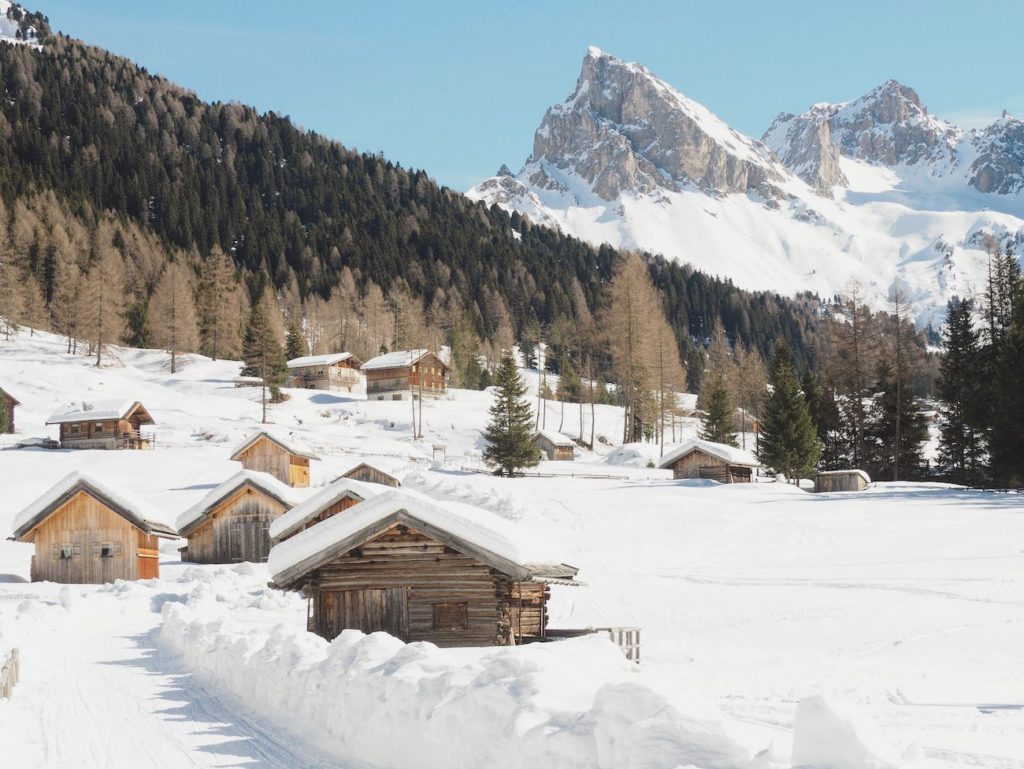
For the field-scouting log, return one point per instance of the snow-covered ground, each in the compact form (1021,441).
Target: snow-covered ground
(779,628)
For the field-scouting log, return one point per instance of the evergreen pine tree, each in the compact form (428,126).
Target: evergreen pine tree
(959,391)
(718,415)
(788,442)
(5,426)
(509,434)
(262,355)
(893,398)
(295,343)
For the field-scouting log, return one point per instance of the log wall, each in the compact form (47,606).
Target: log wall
(370,474)
(267,457)
(237,530)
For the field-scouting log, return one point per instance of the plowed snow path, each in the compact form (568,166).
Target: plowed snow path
(97,691)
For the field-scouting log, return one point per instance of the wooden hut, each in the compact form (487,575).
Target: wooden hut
(841,480)
(341,495)
(232,522)
(555,446)
(405,374)
(337,371)
(716,461)
(267,453)
(7,404)
(87,533)
(371,473)
(107,424)
(422,571)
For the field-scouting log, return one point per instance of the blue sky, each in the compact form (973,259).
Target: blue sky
(458,88)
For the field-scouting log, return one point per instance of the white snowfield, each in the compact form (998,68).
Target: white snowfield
(779,628)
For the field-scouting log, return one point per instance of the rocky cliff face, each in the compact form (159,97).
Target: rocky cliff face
(999,165)
(804,144)
(623,129)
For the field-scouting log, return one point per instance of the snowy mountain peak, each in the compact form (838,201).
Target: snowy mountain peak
(624,130)
(20,26)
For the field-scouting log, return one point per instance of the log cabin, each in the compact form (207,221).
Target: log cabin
(841,480)
(7,404)
(107,424)
(338,372)
(283,459)
(405,374)
(421,570)
(371,473)
(715,461)
(341,495)
(232,522)
(555,446)
(87,533)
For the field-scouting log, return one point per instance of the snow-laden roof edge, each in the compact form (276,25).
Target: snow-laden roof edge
(730,454)
(386,466)
(319,360)
(285,443)
(328,496)
(505,546)
(557,438)
(398,359)
(137,511)
(264,482)
(99,411)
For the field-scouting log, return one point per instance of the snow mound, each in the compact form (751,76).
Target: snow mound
(829,734)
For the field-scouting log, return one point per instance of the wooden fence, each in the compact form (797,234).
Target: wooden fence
(626,638)
(9,674)
(604,477)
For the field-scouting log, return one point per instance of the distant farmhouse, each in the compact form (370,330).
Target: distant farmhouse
(85,532)
(841,480)
(420,570)
(340,496)
(268,453)
(107,424)
(232,522)
(715,461)
(555,446)
(338,372)
(405,374)
(373,473)
(7,404)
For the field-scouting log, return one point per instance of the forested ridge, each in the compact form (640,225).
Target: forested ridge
(296,210)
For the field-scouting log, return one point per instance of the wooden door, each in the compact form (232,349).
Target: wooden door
(370,611)
(236,540)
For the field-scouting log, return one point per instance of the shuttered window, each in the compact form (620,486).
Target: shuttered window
(451,616)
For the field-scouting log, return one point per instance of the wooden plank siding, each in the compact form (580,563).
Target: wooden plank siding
(236,530)
(449,598)
(103,434)
(341,376)
(370,474)
(402,381)
(102,545)
(698,464)
(268,457)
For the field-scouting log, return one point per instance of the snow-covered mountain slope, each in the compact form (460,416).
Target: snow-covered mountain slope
(858,193)
(905,601)
(14,27)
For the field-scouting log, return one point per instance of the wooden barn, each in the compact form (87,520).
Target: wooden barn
(420,570)
(337,371)
(267,453)
(86,533)
(841,480)
(7,404)
(372,473)
(341,495)
(716,461)
(555,446)
(405,374)
(232,522)
(104,425)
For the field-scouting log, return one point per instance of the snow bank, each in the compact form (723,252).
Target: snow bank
(370,698)
(829,734)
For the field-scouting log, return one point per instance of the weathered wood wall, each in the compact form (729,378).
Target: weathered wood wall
(369,474)
(103,434)
(430,369)
(407,583)
(340,377)
(87,525)
(553,452)
(841,482)
(236,530)
(267,457)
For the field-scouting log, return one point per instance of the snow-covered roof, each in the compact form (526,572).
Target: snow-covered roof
(556,438)
(96,411)
(730,454)
(287,444)
(289,497)
(326,497)
(137,511)
(503,545)
(397,359)
(387,465)
(852,471)
(319,360)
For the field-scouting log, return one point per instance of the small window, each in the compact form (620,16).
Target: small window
(99,427)
(66,551)
(451,616)
(107,550)
(74,428)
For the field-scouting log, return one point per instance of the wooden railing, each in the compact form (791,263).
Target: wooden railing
(9,674)
(626,638)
